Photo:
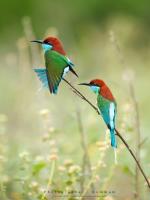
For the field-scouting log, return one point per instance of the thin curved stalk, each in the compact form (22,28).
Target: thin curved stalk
(78,93)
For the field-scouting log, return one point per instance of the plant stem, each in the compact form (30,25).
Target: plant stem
(78,93)
(133,155)
(50,179)
(138,141)
(86,159)
(135,104)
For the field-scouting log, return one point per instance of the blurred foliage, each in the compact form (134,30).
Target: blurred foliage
(69,17)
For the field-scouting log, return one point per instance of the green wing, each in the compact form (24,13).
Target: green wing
(55,65)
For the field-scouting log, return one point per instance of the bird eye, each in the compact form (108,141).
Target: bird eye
(45,42)
(94,84)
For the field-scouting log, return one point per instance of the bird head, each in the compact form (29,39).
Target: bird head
(51,43)
(95,85)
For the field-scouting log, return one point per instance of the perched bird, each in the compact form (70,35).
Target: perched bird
(56,62)
(106,104)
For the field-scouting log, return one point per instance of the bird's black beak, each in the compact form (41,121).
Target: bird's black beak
(37,41)
(87,84)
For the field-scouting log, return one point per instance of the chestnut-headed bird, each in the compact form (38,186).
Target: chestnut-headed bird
(56,62)
(106,105)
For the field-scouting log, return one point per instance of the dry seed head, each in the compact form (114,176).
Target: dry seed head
(61,168)
(53,157)
(34,185)
(74,168)
(68,162)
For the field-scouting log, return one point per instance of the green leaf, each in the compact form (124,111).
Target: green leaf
(127,170)
(38,167)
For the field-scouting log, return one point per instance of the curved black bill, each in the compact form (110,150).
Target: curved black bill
(37,41)
(86,84)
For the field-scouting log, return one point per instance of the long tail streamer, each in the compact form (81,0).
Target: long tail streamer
(115,155)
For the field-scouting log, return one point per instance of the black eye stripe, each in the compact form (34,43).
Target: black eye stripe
(47,43)
(93,84)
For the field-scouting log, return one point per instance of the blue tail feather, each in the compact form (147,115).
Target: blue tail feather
(113,138)
(41,73)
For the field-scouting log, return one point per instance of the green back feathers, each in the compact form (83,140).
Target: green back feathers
(55,65)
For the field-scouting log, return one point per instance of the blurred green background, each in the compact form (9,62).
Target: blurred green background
(69,17)
(105,39)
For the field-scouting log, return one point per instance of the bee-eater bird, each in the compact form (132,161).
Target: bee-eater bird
(106,105)
(56,62)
